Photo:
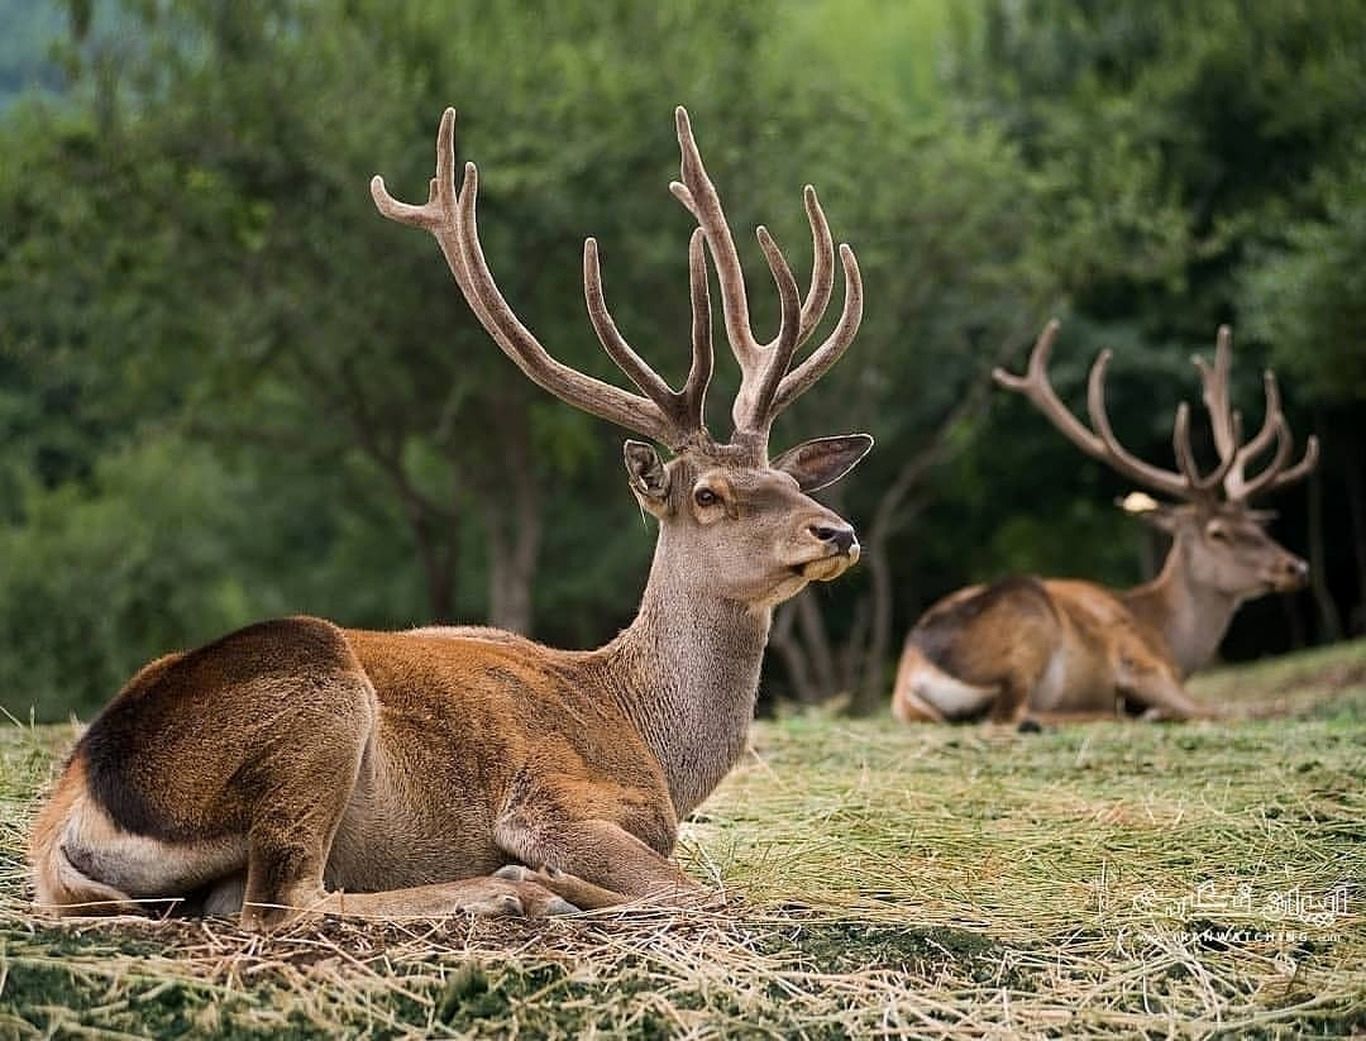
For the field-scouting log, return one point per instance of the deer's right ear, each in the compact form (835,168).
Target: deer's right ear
(649,479)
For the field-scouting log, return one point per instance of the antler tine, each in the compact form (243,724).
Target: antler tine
(822,265)
(1101,443)
(1214,382)
(698,194)
(703,357)
(818,362)
(440,207)
(753,408)
(1181,443)
(766,386)
(650,382)
(1284,445)
(1300,470)
(1185,457)
(450,215)
(1035,386)
(1120,458)
(586,392)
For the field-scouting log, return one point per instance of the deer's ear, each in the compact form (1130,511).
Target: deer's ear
(648,478)
(1149,511)
(823,460)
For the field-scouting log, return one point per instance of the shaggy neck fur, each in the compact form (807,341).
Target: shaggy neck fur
(1191,617)
(687,673)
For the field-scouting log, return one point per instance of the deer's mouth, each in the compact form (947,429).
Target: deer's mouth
(1287,584)
(828,568)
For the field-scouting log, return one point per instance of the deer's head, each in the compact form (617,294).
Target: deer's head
(733,521)
(1221,540)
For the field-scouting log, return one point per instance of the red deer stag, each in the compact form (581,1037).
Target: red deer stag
(295,766)
(1063,648)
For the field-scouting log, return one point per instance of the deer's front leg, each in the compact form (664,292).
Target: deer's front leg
(596,863)
(610,862)
(1164,699)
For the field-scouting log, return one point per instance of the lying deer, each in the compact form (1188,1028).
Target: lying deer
(298,766)
(1060,648)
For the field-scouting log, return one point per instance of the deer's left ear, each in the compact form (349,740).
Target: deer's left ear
(1150,511)
(823,460)
(649,478)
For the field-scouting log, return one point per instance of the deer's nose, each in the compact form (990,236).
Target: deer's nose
(840,536)
(1297,568)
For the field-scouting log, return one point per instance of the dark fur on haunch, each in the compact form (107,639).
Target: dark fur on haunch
(936,634)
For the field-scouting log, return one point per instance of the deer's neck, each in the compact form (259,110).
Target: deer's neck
(1190,616)
(686,673)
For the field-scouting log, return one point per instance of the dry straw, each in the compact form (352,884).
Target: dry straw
(1106,880)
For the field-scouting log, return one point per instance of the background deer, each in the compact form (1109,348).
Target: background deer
(1062,647)
(297,765)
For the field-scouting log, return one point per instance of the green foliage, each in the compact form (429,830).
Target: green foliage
(228,388)
(106,576)
(1308,298)
(1200,164)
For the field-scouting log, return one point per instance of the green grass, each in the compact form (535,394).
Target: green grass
(1112,880)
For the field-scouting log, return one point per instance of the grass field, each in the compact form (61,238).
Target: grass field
(1110,879)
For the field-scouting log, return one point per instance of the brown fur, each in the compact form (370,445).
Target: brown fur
(295,760)
(1060,648)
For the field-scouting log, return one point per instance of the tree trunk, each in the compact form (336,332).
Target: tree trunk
(1356,509)
(438,569)
(795,661)
(872,689)
(514,535)
(817,642)
(1330,625)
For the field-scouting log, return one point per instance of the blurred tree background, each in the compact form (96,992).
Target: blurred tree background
(229,390)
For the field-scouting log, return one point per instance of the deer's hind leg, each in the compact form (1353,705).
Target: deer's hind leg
(297,788)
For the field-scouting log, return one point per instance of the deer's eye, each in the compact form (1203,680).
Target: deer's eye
(1219,534)
(705,497)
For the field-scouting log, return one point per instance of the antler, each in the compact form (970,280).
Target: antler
(766,386)
(1100,444)
(671,417)
(1234,458)
(1188,483)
